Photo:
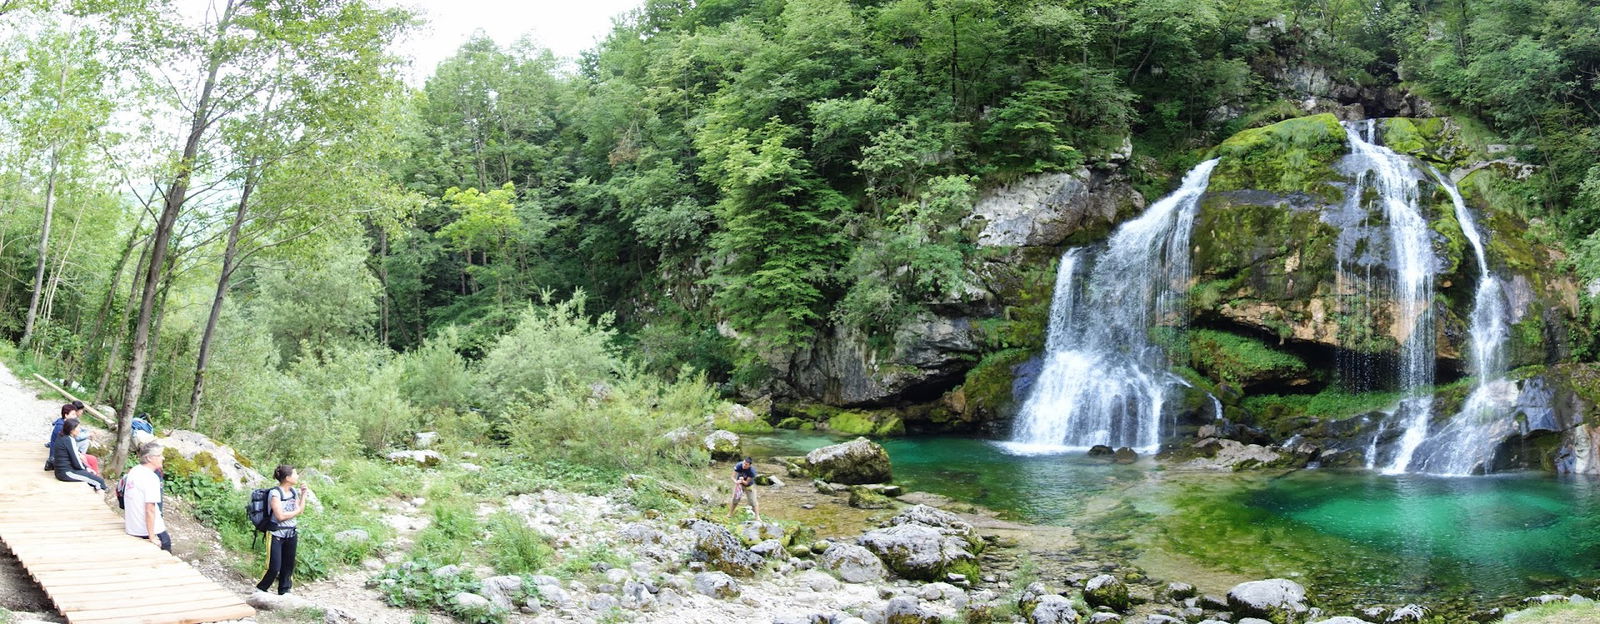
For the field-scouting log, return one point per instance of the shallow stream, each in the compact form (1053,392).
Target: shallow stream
(1354,538)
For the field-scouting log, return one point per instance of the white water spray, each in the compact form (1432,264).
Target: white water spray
(1104,380)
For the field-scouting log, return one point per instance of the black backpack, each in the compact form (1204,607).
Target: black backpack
(259,512)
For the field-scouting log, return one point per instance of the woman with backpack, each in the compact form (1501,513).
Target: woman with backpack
(66,461)
(284,504)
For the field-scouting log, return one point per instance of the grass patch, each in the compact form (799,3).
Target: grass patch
(514,548)
(1231,358)
(1557,613)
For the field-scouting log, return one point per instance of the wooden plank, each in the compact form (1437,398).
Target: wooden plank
(105,599)
(239,612)
(173,606)
(178,585)
(99,575)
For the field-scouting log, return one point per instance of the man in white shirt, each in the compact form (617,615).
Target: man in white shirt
(141,511)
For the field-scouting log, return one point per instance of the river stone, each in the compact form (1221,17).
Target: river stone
(857,462)
(1100,450)
(720,550)
(1104,617)
(853,564)
(1343,619)
(1124,455)
(820,582)
(1410,613)
(469,600)
(863,498)
(908,610)
(768,548)
(1180,591)
(1031,595)
(752,531)
(1053,609)
(942,521)
(716,585)
(1277,600)
(501,589)
(722,444)
(919,552)
(1161,619)
(636,596)
(352,536)
(1106,591)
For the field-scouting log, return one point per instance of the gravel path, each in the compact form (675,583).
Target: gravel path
(23,415)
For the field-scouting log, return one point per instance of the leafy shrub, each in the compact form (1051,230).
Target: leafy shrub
(622,426)
(452,532)
(552,344)
(413,585)
(514,548)
(435,375)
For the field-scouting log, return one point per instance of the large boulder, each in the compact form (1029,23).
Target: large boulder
(856,462)
(1046,209)
(420,459)
(206,453)
(919,552)
(720,550)
(1278,600)
(941,520)
(716,585)
(723,445)
(908,610)
(1343,619)
(1106,591)
(853,563)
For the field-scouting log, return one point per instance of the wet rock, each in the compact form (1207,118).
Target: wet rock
(1106,591)
(1053,609)
(1343,619)
(723,445)
(918,552)
(856,462)
(853,564)
(720,550)
(1221,454)
(1101,450)
(1124,455)
(716,585)
(1415,613)
(1277,600)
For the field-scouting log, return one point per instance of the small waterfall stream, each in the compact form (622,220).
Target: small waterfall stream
(1411,253)
(1104,381)
(1467,443)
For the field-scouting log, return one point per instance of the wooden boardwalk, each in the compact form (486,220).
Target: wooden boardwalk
(74,546)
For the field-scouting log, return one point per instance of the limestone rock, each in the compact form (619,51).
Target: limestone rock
(502,590)
(267,601)
(1277,600)
(1053,609)
(1045,209)
(424,439)
(1343,619)
(720,550)
(918,552)
(907,610)
(863,498)
(421,459)
(856,462)
(1106,591)
(190,445)
(469,600)
(716,585)
(1180,591)
(723,445)
(352,536)
(853,564)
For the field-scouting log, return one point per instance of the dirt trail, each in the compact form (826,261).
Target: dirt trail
(23,415)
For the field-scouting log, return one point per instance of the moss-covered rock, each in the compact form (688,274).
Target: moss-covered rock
(987,392)
(854,422)
(1294,155)
(1236,359)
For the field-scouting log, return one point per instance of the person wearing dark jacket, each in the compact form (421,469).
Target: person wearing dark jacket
(68,464)
(70,410)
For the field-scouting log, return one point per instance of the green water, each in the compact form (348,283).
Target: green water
(1354,538)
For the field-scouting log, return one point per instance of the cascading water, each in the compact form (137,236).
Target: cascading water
(1467,443)
(1104,380)
(1412,264)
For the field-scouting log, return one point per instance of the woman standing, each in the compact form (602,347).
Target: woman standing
(66,461)
(285,503)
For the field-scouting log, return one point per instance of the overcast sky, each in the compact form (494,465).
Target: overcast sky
(565,26)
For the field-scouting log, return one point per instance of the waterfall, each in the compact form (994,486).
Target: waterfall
(1468,441)
(1411,253)
(1104,380)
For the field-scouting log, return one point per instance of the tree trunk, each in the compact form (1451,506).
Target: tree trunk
(177,193)
(228,254)
(44,248)
(114,359)
(383,281)
(47,309)
(97,332)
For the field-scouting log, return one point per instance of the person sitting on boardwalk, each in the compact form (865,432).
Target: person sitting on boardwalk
(68,411)
(66,461)
(141,509)
(744,486)
(285,503)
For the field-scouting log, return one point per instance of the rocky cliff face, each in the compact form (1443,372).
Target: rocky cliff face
(1020,226)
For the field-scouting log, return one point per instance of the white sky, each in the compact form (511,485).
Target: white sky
(567,27)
